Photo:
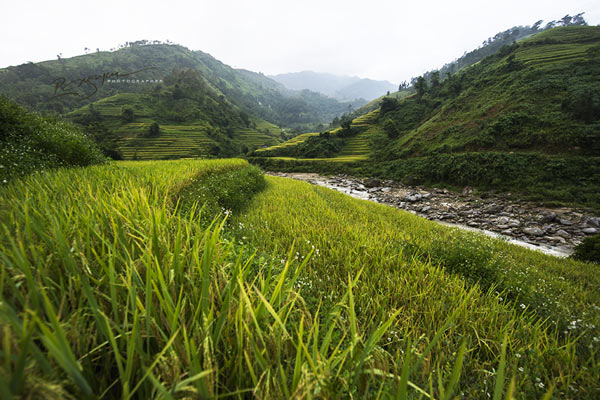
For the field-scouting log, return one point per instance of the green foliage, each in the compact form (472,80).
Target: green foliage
(154,130)
(31,143)
(227,191)
(388,104)
(127,114)
(390,128)
(588,250)
(420,86)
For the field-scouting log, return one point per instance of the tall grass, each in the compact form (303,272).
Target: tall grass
(133,281)
(110,289)
(450,288)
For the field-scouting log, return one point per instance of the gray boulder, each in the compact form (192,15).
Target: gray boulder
(534,231)
(371,182)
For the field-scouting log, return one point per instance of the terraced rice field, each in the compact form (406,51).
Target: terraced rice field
(190,139)
(174,141)
(357,147)
(292,142)
(551,50)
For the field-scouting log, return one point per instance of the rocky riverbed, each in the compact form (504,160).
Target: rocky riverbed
(555,231)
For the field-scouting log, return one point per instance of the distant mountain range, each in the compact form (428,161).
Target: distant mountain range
(66,84)
(343,88)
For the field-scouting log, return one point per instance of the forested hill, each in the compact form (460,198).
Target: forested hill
(488,47)
(493,44)
(66,84)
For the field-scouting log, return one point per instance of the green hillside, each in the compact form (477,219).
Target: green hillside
(526,118)
(191,121)
(140,64)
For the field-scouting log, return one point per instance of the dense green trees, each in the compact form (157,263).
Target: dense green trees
(154,129)
(127,114)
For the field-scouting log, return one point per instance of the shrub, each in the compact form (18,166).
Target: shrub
(30,142)
(390,129)
(154,130)
(588,250)
(127,114)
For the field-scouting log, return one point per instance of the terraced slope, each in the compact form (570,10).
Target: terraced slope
(288,143)
(358,147)
(204,134)
(353,148)
(175,141)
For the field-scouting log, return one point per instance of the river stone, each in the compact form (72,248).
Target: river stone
(507,232)
(563,233)
(413,197)
(546,217)
(514,223)
(555,239)
(468,190)
(590,231)
(473,223)
(592,221)
(502,221)
(494,209)
(565,221)
(371,182)
(533,231)
(425,209)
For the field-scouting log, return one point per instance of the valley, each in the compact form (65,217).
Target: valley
(515,121)
(203,231)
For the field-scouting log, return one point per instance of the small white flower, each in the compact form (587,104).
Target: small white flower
(541,385)
(521,369)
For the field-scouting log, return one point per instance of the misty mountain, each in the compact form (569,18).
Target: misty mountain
(343,88)
(66,84)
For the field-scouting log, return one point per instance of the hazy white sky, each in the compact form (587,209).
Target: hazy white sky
(379,39)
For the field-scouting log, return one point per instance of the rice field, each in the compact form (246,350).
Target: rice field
(536,314)
(204,279)
(176,140)
(291,142)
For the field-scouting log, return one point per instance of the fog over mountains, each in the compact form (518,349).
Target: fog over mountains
(344,88)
